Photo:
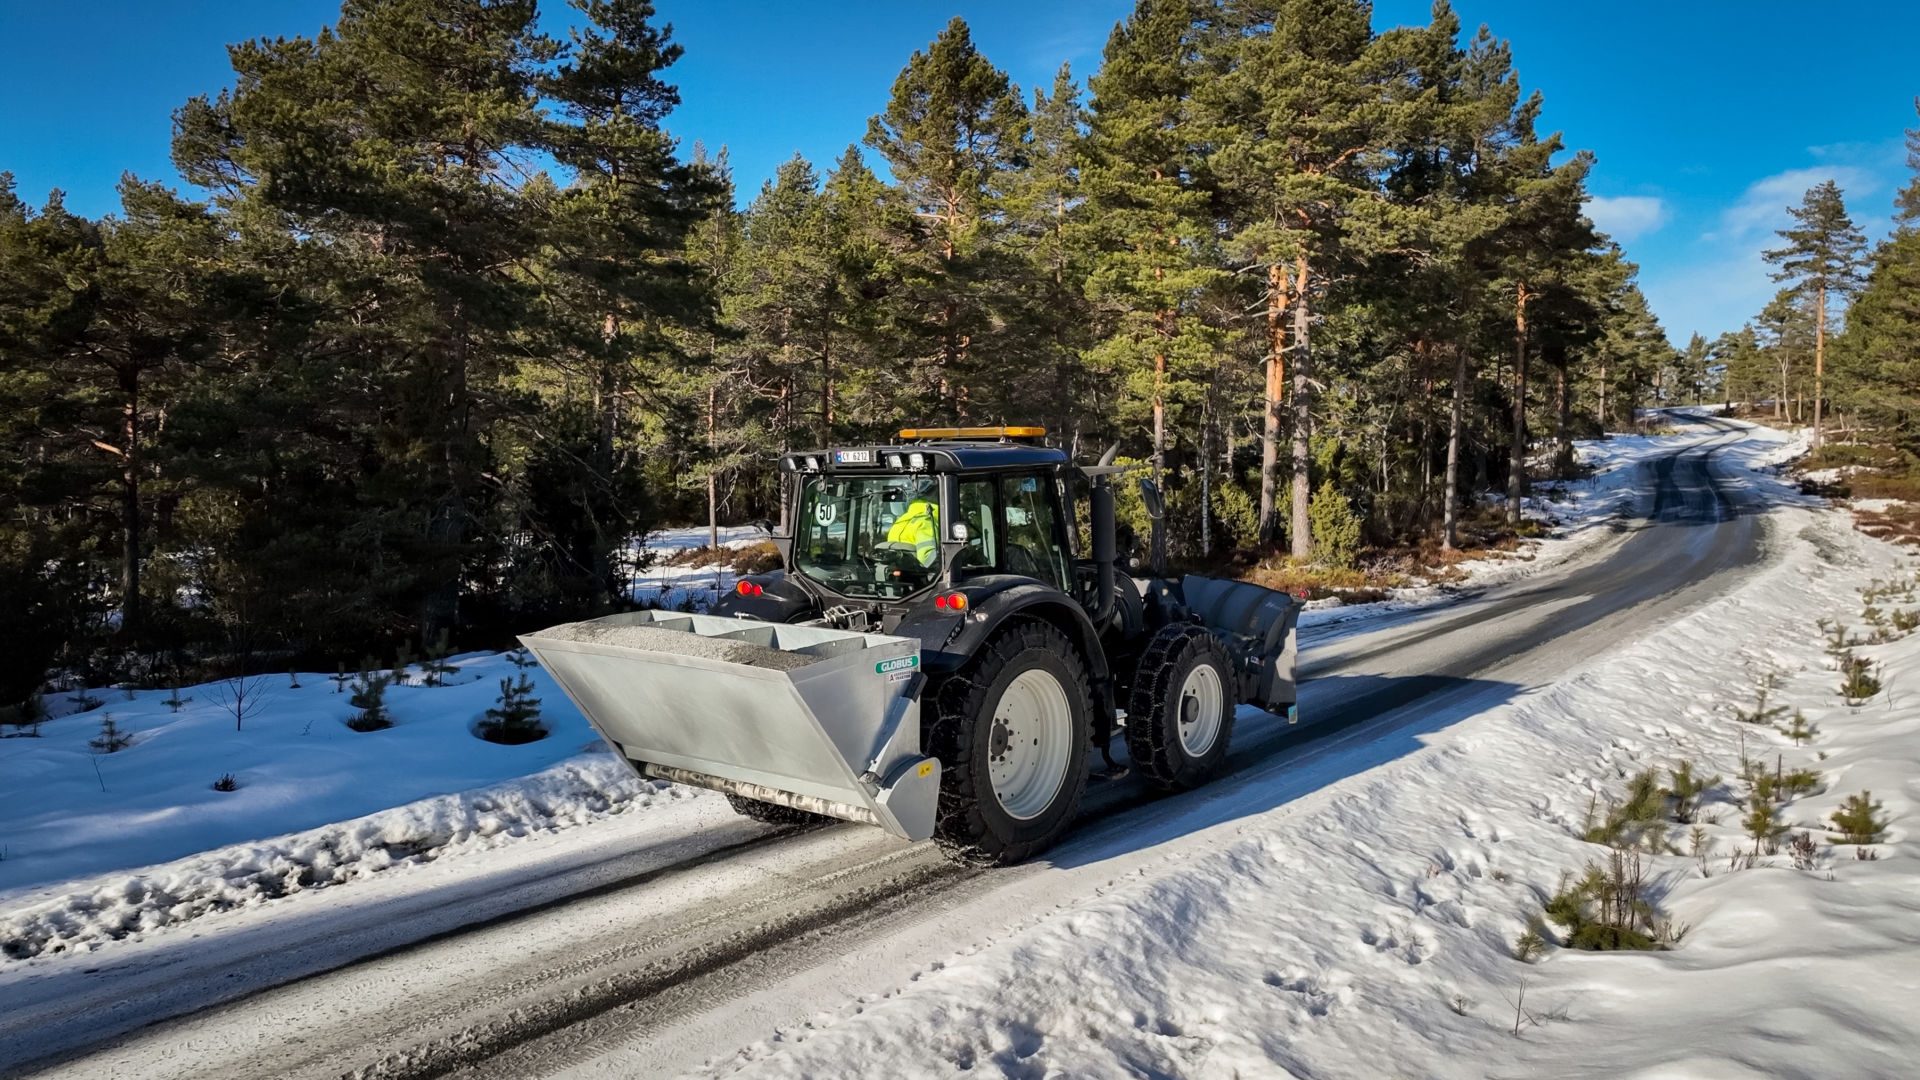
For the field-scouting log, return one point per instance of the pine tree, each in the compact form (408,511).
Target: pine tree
(1148,227)
(435,666)
(1882,337)
(1299,116)
(369,699)
(111,739)
(1823,260)
(515,719)
(951,136)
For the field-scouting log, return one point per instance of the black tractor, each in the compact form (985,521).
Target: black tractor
(1037,632)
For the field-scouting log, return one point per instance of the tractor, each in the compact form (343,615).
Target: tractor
(953,633)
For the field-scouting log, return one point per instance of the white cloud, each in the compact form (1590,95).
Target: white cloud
(1762,208)
(1720,279)
(1625,217)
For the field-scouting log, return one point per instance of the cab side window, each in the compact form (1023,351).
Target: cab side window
(1034,543)
(982,553)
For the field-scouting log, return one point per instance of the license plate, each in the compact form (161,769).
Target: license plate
(853,457)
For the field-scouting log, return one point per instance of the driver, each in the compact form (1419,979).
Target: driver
(919,526)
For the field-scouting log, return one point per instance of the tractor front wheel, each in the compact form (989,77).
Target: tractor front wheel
(1180,716)
(1011,732)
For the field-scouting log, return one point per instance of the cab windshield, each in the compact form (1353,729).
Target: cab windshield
(872,537)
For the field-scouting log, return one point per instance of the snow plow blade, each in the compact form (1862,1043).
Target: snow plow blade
(821,720)
(1257,625)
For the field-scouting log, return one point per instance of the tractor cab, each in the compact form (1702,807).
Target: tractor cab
(942,507)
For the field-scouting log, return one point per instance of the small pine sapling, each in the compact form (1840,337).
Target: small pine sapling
(1799,728)
(1904,620)
(226,783)
(293,679)
(111,739)
(402,660)
(521,658)
(1794,783)
(340,678)
(1762,712)
(1836,635)
(370,699)
(174,701)
(1763,824)
(1859,679)
(1532,941)
(1637,816)
(516,718)
(1685,789)
(435,665)
(1859,820)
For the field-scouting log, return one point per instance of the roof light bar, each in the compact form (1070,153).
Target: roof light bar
(1002,431)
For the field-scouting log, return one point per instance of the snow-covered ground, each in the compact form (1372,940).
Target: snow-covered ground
(662,583)
(1373,933)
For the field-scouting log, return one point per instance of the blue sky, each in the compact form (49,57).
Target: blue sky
(1704,116)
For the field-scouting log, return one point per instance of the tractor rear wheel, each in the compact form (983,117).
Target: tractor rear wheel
(1180,716)
(1011,730)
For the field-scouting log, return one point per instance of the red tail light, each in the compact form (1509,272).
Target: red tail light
(951,601)
(748,588)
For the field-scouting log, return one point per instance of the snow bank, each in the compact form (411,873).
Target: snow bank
(83,915)
(317,802)
(1371,933)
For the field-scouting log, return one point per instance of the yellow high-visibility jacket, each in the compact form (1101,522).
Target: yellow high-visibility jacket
(919,526)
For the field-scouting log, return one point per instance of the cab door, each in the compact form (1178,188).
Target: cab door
(1033,529)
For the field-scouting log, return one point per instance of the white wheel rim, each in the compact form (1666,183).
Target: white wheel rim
(1028,744)
(1199,707)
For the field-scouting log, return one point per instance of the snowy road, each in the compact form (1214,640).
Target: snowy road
(652,948)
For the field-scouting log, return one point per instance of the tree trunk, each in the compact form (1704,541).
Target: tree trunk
(1819,360)
(1206,475)
(1562,423)
(1159,548)
(130,607)
(1601,413)
(1517,465)
(606,433)
(1450,515)
(1275,402)
(1302,413)
(713,455)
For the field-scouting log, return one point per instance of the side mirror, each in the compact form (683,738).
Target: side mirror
(1150,494)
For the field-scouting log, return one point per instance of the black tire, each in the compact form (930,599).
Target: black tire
(774,813)
(973,826)
(1154,709)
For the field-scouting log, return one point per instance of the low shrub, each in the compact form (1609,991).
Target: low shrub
(226,783)
(1608,908)
(1859,820)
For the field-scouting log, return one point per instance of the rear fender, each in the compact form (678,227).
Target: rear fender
(780,600)
(948,641)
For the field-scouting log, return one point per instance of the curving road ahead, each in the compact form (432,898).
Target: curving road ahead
(637,948)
